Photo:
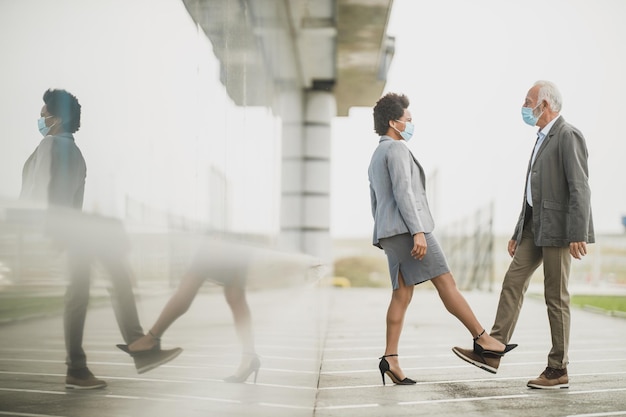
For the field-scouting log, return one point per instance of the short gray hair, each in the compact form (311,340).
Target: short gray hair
(550,93)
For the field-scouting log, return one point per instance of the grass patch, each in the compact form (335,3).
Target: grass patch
(605,302)
(363,271)
(22,304)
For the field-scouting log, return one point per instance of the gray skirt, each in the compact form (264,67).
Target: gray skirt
(222,262)
(398,251)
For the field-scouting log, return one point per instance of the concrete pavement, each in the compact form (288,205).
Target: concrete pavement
(319,350)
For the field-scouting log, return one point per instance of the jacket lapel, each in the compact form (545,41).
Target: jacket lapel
(422,174)
(555,129)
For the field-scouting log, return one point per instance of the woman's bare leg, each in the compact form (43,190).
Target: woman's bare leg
(236,298)
(235,295)
(400,300)
(177,305)
(456,304)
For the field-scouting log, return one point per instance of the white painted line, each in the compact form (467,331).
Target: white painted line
(34,391)
(422,368)
(194,397)
(186,380)
(611,413)
(346,407)
(16,414)
(293,407)
(73,392)
(29,373)
(461,365)
(288,358)
(298,387)
(465,381)
(119,378)
(595,391)
(456,400)
(31,360)
(447,354)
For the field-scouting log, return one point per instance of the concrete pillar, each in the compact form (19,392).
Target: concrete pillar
(292,114)
(305,208)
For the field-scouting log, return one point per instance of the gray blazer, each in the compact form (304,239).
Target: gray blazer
(397,191)
(55,173)
(560,189)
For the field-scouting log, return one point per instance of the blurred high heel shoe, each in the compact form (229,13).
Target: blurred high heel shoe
(243,374)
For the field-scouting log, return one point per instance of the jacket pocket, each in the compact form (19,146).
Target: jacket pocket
(553,205)
(554,219)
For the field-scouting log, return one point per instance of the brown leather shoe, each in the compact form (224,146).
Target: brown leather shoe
(551,378)
(487,362)
(82,379)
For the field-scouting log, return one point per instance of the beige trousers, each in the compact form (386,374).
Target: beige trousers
(556,269)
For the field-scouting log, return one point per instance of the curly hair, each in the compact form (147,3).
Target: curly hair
(62,104)
(389,107)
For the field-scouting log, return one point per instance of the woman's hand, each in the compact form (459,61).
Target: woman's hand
(419,246)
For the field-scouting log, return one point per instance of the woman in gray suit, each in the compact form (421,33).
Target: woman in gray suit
(403,228)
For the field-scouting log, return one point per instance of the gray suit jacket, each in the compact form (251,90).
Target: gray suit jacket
(560,190)
(397,191)
(55,173)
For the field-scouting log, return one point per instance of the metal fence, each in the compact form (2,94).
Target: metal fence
(468,244)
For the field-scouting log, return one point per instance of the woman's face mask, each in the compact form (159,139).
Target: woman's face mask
(407,134)
(41,124)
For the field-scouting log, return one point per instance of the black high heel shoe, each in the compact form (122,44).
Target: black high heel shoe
(480,351)
(383,366)
(254,366)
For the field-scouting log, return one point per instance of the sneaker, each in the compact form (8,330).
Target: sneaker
(551,378)
(146,361)
(489,363)
(82,379)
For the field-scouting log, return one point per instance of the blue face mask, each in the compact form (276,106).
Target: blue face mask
(41,124)
(528,114)
(407,134)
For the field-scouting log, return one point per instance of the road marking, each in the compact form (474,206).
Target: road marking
(462,365)
(611,413)
(456,400)
(487,398)
(594,391)
(293,407)
(346,407)
(33,391)
(194,397)
(83,392)
(464,381)
(13,413)
(186,380)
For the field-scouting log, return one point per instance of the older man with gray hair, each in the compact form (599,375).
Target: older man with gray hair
(554,225)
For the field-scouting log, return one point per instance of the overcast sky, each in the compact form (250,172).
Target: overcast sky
(155,116)
(466,67)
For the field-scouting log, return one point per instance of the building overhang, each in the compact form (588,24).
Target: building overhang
(265,45)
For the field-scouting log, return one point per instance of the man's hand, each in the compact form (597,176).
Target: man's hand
(578,249)
(419,246)
(512,247)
